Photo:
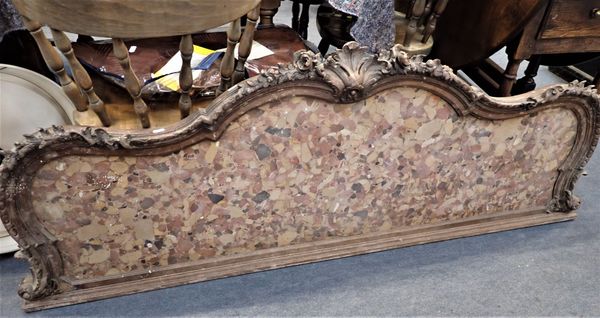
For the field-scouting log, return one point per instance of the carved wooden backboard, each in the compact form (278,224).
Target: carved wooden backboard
(324,158)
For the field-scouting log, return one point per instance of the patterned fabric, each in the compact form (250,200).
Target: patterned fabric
(10,19)
(375,25)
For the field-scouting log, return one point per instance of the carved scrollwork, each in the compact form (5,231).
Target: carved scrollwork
(306,60)
(40,282)
(565,201)
(44,258)
(47,136)
(396,61)
(575,88)
(351,71)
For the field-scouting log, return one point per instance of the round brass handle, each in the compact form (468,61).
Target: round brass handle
(595,13)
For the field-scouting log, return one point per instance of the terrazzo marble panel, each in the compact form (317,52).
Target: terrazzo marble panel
(294,171)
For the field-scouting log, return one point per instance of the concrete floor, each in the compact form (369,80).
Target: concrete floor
(551,270)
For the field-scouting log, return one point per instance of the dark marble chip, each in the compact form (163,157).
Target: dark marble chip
(162,167)
(263,151)
(260,197)
(215,198)
(357,187)
(147,203)
(361,214)
(281,132)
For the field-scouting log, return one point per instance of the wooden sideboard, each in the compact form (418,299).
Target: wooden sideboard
(557,27)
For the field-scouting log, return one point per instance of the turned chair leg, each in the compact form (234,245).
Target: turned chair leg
(426,12)
(132,82)
(266,17)
(245,46)
(510,76)
(186,47)
(409,10)
(431,22)
(234,34)
(415,15)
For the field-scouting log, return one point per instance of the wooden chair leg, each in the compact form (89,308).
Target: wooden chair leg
(227,64)
(411,5)
(81,77)
(266,17)
(245,46)
(56,65)
(509,77)
(440,6)
(186,47)
(132,83)
(415,15)
(426,12)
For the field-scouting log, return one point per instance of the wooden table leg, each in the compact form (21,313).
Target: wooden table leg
(510,76)
(304,19)
(527,82)
(268,9)
(323,47)
(295,14)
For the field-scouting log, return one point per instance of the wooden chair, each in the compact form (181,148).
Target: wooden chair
(300,20)
(268,9)
(414,28)
(415,23)
(334,27)
(122,19)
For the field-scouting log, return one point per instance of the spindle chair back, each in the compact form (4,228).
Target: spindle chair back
(124,19)
(414,29)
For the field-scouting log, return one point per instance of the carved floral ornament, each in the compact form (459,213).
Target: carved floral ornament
(351,74)
(352,70)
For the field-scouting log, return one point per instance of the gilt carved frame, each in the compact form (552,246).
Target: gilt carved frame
(348,75)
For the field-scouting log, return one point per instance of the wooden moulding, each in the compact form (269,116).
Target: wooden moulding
(349,76)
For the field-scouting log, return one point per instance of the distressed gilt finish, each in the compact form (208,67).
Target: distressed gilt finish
(346,76)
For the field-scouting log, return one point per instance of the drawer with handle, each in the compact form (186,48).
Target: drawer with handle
(572,19)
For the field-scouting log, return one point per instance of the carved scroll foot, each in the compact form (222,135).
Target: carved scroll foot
(566,202)
(39,282)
